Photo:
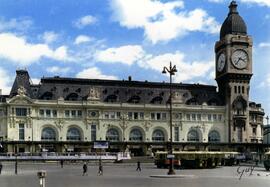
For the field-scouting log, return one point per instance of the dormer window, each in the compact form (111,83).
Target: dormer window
(72,97)
(111,99)
(134,99)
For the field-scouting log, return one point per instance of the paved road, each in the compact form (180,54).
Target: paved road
(122,175)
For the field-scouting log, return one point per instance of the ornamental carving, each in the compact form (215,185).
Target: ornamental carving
(59,124)
(177,97)
(147,125)
(21,91)
(94,94)
(203,127)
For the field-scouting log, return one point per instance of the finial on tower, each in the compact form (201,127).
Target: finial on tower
(233,8)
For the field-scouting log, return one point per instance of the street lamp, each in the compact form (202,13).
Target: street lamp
(267,130)
(171,70)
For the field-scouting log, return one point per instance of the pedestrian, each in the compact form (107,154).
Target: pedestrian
(84,169)
(100,168)
(62,163)
(1,166)
(138,166)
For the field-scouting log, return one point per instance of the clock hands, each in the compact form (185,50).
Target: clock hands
(236,63)
(240,59)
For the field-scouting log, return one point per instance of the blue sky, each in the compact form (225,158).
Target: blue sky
(112,39)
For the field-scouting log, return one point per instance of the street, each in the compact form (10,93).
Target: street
(126,175)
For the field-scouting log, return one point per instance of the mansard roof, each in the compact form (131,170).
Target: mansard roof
(76,89)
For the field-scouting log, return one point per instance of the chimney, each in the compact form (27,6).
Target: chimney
(129,78)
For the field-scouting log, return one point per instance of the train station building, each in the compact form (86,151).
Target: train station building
(63,114)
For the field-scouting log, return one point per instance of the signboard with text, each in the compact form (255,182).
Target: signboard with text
(101,145)
(170,156)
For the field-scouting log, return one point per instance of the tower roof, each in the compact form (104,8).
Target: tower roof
(234,23)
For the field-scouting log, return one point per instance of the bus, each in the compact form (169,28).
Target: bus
(266,161)
(190,159)
(231,158)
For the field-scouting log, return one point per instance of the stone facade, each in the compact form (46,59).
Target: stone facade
(69,114)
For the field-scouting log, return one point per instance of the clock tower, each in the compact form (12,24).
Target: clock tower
(233,73)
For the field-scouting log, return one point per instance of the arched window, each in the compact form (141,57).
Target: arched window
(213,102)
(111,99)
(73,134)
(112,135)
(193,136)
(158,136)
(136,135)
(134,99)
(47,96)
(213,136)
(192,101)
(48,133)
(72,97)
(157,100)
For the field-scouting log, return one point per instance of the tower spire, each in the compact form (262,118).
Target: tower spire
(233,8)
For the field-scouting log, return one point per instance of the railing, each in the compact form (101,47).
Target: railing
(52,156)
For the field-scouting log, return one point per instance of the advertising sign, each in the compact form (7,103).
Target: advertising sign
(101,145)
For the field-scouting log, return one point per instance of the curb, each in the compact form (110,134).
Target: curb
(172,176)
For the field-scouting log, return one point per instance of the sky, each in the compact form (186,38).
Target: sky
(114,39)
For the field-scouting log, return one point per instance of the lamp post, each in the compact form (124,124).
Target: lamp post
(171,70)
(267,130)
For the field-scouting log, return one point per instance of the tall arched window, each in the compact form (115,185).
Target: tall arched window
(158,136)
(136,135)
(48,133)
(73,134)
(213,136)
(112,135)
(193,136)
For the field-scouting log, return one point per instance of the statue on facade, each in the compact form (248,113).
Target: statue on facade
(21,91)
(177,97)
(94,94)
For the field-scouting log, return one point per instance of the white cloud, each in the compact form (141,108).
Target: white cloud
(19,51)
(56,69)
(35,80)
(49,36)
(94,73)
(125,54)
(264,44)
(259,2)
(265,83)
(82,39)
(216,1)
(84,21)
(186,70)
(5,81)
(19,24)
(135,54)
(162,21)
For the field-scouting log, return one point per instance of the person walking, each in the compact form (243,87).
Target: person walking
(62,163)
(84,169)
(138,166)
(1,166)
(100,168)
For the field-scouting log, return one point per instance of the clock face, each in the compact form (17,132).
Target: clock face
(221,62)
(239,59)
